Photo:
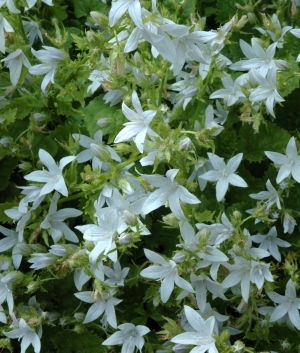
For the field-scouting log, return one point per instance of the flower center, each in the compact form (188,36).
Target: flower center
(132,333)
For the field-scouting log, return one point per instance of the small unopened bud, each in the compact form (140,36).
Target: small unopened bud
(185,144)
(91,36)
(100,152)
(179,257)
(125,238)
(129,218)
(234,21)
(4,141)
(79,317)
(26,166)
(237,215)
(89,245)
(246,7)
(125,186)
(38,116)
(32,287)
(236,249)
(171,220)
(241,22)
(238,346)
(252,18)
(103,122)
(294,9)
(99,18)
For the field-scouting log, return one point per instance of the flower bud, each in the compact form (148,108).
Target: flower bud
(179,257)
(125,186)
(237,215)
(26,166)
(32,287)
(171,220)
(89,245)
(79,317)
(38,116)
(91,36)
(125,238)
(130,218)
(104,122)
(99,19)
(185,144)
(100,152)
(4,141)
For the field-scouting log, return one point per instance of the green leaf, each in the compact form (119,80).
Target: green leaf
(3,207)
(98,109)
(82,8)
(65,108)
(270,138)
(288,81)
(9,116)
(226,9)
(45,142)
(204,217)
(287,116)
(86,342)
(8,164)
(5,344)
(226,144)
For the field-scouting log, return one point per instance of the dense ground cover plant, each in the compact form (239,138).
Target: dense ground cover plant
(149,176)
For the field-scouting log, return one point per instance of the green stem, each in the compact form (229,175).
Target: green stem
(22,133)
(22,28)
(83,193)
(161,88)
(125,164)
(73,197)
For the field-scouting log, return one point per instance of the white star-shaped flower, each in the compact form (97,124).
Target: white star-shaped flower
(288,304)
(119,7)
(50,57)
(289,163)
(202,334)
(271,196)
(14,62)
(224,174)
(53,178)
(167,272)
(28,335)
(168,190)
(139,124)
(130,337)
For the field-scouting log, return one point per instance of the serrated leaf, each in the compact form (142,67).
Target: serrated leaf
(86,342)
(225,144)
(65,108)
(98,109)
(287,116)
(226,9)
(8,164)
(9,116)
(45,142)
(291,81)
(269,138)
(82,8)
(6,206)
(204,217)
